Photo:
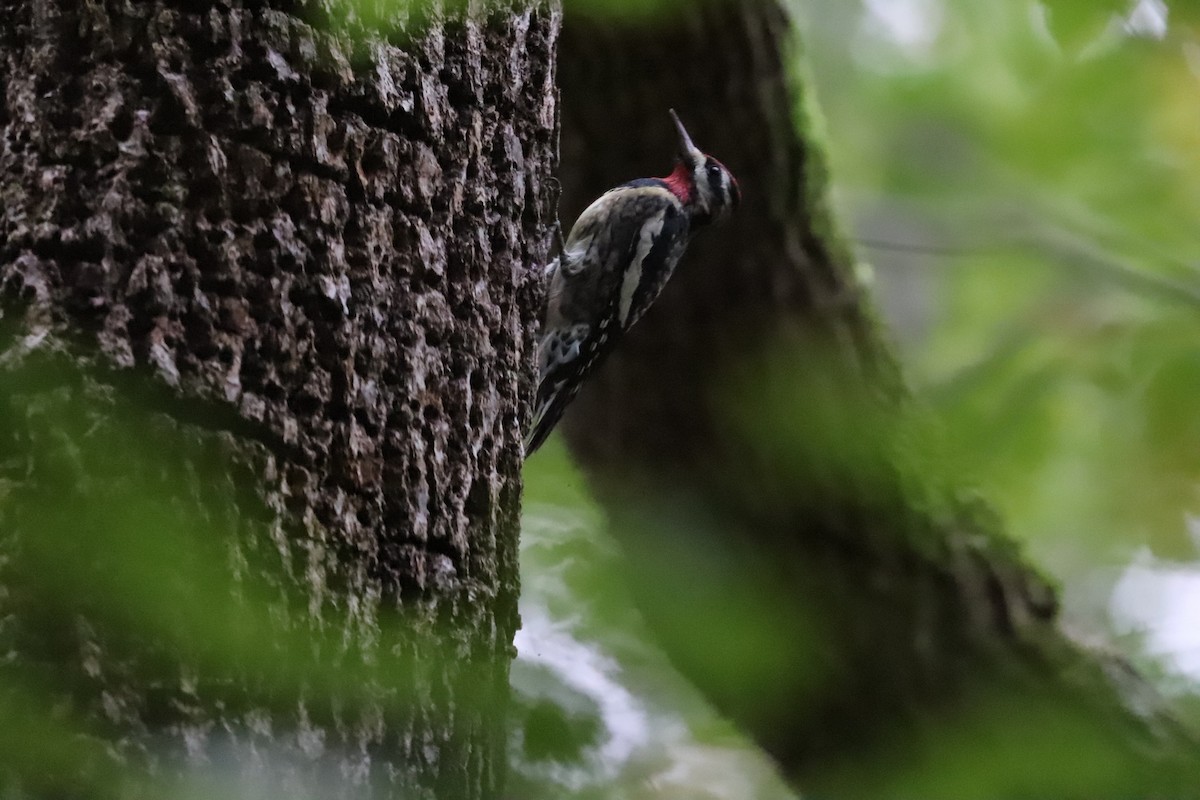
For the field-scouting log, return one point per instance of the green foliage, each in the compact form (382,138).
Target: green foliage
(1004,745)
(1043,157)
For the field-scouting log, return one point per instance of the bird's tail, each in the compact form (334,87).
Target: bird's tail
(550,408)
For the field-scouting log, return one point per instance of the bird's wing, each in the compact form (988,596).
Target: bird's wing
(619,239)
(616,258)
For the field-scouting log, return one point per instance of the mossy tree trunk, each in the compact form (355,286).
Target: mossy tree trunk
(759,457)
(267,299)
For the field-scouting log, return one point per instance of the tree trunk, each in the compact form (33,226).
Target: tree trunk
(759,459)
(268,298)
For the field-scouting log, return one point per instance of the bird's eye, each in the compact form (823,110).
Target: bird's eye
(713,169)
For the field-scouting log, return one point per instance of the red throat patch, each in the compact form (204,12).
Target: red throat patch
(680,182)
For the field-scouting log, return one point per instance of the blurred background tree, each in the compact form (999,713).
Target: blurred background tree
(1018,184)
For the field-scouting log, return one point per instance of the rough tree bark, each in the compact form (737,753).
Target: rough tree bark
(265,349)
(895,603)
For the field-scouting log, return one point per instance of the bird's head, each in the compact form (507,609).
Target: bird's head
(704,185)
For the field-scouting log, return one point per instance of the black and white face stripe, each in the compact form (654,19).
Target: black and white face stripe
(717,191)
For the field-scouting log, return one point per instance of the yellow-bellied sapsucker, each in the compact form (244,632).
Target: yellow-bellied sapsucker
(617,258)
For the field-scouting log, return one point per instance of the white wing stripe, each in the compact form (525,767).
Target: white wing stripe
(633,273)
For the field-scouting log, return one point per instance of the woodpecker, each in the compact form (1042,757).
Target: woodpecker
(615,262)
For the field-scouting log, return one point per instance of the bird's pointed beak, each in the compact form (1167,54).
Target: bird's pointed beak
(687,151)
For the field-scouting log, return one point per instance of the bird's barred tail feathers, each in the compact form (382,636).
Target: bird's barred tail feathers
(564,354)
(549,410)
